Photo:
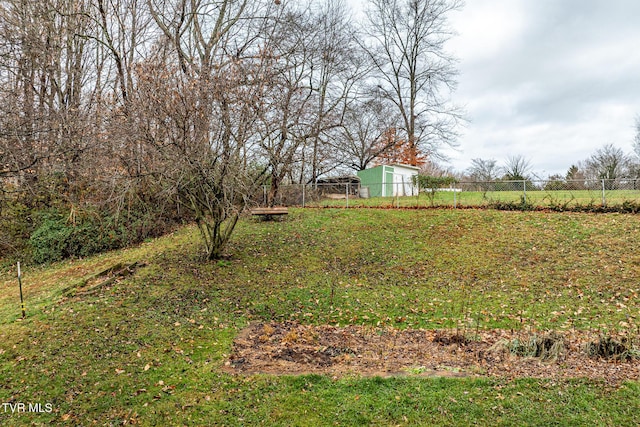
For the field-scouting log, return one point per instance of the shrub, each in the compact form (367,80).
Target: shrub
(431,184)
(523,205)
(48,241)
(57,238)
(550,346)
(39,222)
(60,235)
(609,348)
(15,228)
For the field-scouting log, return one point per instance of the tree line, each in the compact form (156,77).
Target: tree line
(609,163)
(122,118)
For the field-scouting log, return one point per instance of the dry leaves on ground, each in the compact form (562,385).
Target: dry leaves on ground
(293,348)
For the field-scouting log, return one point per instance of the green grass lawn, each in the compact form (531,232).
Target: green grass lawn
(149,348)
(538,198)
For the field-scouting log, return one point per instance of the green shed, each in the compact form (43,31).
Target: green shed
(388,181)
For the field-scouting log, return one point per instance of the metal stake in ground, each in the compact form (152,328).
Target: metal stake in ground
(20,285)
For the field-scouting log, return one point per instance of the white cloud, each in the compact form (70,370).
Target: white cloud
(486,28)
(558,81)
(550,80)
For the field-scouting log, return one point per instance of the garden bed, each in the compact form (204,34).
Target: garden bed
(293,349)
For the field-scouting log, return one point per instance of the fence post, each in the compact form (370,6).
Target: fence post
(347,194)
(604,200)
(264,195)
(303,187)
(455,201)
(524,189)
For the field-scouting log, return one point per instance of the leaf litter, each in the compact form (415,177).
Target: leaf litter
(294,349)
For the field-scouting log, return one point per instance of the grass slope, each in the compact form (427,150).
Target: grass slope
(148,348)
(557,199)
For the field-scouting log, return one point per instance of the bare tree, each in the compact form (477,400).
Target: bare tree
(198,146)
(196,109)
(363,134)
(123,35)
(338,66)
(483,170)
(45,117)
(98,94)
(313,70)
(286,107)
(413,71)
(433,169)
(517,168)
(608,163)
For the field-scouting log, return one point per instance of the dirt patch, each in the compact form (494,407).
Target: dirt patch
(105,278)
(292,349)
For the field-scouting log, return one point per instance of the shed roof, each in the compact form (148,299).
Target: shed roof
(405,166)
(339,180)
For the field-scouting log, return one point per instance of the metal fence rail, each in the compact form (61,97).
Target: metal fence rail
(535,193)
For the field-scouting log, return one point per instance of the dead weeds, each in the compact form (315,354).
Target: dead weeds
(293,349)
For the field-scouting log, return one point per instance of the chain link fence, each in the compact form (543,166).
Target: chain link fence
(534,193)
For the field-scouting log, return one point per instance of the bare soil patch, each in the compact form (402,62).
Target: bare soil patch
(292,349)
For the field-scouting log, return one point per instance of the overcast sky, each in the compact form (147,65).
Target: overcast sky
(551,80)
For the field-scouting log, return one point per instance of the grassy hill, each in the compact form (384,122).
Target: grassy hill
(148,345)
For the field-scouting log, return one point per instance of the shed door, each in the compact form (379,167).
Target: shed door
(388,180)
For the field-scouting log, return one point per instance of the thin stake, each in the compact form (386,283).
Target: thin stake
(20,285)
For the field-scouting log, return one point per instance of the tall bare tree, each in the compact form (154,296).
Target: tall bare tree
(413,70)
(338,67)
(196,109)
(122,35)
(43,69)
(286,103)
(313,70)
(363,137)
